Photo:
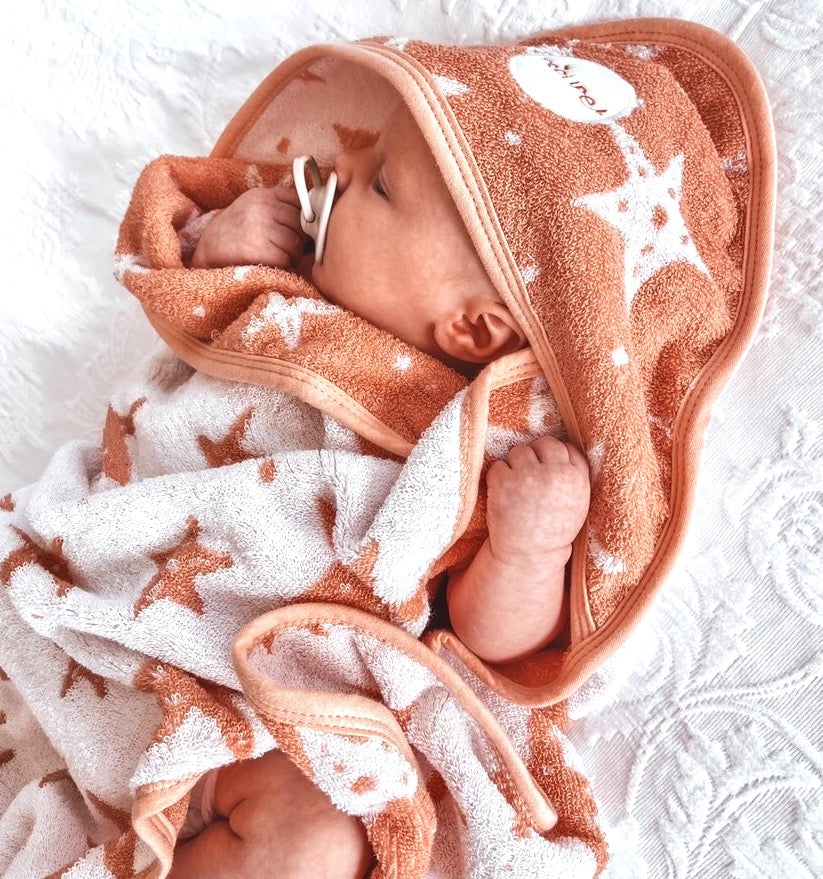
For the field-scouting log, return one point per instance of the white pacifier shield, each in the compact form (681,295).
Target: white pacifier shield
(315,203)
(574,88)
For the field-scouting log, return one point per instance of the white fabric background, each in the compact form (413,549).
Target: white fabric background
(707,762)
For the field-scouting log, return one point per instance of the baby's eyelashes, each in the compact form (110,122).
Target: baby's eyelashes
(379,187)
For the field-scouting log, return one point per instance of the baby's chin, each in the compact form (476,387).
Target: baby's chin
(317,278)
(316,275)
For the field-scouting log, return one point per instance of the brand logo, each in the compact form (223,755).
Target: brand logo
(576,89)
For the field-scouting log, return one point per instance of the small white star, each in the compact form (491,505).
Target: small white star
(551,50)
(402,362)
(542,406)
(647,53)
(287,315)
(660,424)
(620,356)
(128,262)
(530,271)
(646,211)
(603,559)
(253,177)
(398,43)
(451,88)
(595,455)
(737,164)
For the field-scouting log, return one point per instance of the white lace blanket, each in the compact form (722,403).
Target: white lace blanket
(707,760)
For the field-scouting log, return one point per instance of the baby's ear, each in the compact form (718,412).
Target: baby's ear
(479,332)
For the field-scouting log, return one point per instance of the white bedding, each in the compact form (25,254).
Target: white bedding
(707,761)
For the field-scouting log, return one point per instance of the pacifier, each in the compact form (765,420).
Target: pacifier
(315,204)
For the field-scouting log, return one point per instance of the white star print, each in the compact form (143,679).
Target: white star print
(398,43)
(128,262)
(660,424)
(551,50)
(542,406)
(451,88)
(608,563)
(620,356)
(646,211)
(644,52)
(499,440)
(596,453)
(737,164)
(402,362)
(287,314)
(530,271)
(253,177)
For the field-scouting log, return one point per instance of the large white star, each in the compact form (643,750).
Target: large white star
(287,314)
(646,211)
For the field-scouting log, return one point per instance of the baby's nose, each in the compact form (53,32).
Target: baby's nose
(344,167)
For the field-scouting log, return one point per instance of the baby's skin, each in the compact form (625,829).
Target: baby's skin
(270,820)
(398,254)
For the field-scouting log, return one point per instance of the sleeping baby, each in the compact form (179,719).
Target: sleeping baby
(329,588)
(397,253)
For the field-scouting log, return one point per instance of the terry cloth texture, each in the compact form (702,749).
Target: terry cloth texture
(248,558)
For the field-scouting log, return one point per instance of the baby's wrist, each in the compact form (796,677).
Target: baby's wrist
(191,238)
(537,560)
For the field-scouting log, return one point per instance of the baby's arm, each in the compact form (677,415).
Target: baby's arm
(510,601)
(260,227)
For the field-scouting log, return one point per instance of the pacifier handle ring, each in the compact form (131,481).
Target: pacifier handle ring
(299,173)
(323,220)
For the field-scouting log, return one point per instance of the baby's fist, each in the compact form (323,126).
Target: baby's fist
(538,498)
(260,227)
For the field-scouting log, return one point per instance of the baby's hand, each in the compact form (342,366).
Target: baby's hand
(538,498)
(510,600)
(260,227)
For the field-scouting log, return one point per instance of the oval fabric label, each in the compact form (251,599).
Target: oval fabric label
(574,88)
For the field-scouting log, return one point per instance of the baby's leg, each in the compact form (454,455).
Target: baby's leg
(270,820)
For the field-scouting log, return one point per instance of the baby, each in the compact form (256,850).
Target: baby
(397,253)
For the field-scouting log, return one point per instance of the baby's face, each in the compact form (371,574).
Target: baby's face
(395,241)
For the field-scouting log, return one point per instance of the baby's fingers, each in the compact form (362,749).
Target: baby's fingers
(287,194)
(286,207)
(553,451)
(550,450)
(284,239)
(272,204)
(543,450)
(521,456)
